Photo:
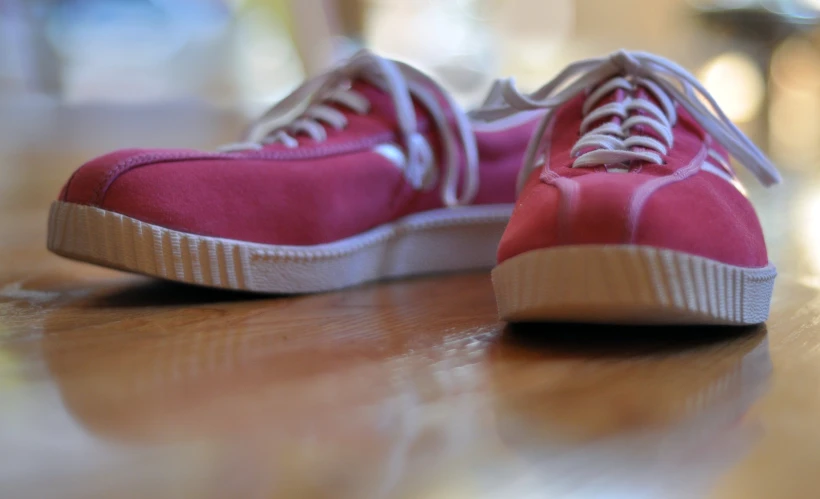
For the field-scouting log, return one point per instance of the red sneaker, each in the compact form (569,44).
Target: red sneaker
(377,178)
(629,211)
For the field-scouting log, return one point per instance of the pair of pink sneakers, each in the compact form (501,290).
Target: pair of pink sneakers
(627,208)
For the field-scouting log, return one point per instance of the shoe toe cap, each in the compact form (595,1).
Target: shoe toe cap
(703,215)
(90,184)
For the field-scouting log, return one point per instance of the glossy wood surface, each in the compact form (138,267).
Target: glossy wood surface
(116,386)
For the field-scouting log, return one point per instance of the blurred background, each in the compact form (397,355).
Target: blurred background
(760,58)
(81,77)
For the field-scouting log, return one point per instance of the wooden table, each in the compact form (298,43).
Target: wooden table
(116,386)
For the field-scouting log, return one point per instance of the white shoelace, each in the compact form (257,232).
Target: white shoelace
(403,83)
(612,143)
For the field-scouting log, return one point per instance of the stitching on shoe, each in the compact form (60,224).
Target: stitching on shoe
(645,191)
(192,155)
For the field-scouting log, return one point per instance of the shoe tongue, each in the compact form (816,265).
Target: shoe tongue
(614,96)
(382,106)
(639,92)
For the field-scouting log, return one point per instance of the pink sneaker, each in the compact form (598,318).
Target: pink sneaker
(629,211)
(381,176)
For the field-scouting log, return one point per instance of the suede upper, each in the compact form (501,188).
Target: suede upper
(316,193)
(676,205)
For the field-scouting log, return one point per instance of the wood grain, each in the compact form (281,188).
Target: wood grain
(119,386)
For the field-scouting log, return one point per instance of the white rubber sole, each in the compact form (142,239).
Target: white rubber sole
(630,285)
(444,240)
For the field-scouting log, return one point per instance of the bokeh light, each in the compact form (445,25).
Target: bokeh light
(796,65)
(736,82)
(794,112)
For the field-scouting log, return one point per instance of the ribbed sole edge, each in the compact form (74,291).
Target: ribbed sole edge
(626,284)
(442,240)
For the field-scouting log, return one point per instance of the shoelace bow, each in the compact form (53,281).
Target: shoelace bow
(611,142)
(402,83)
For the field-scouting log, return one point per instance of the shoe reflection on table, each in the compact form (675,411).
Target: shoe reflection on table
(232,403)
(627,412)
(263,397)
